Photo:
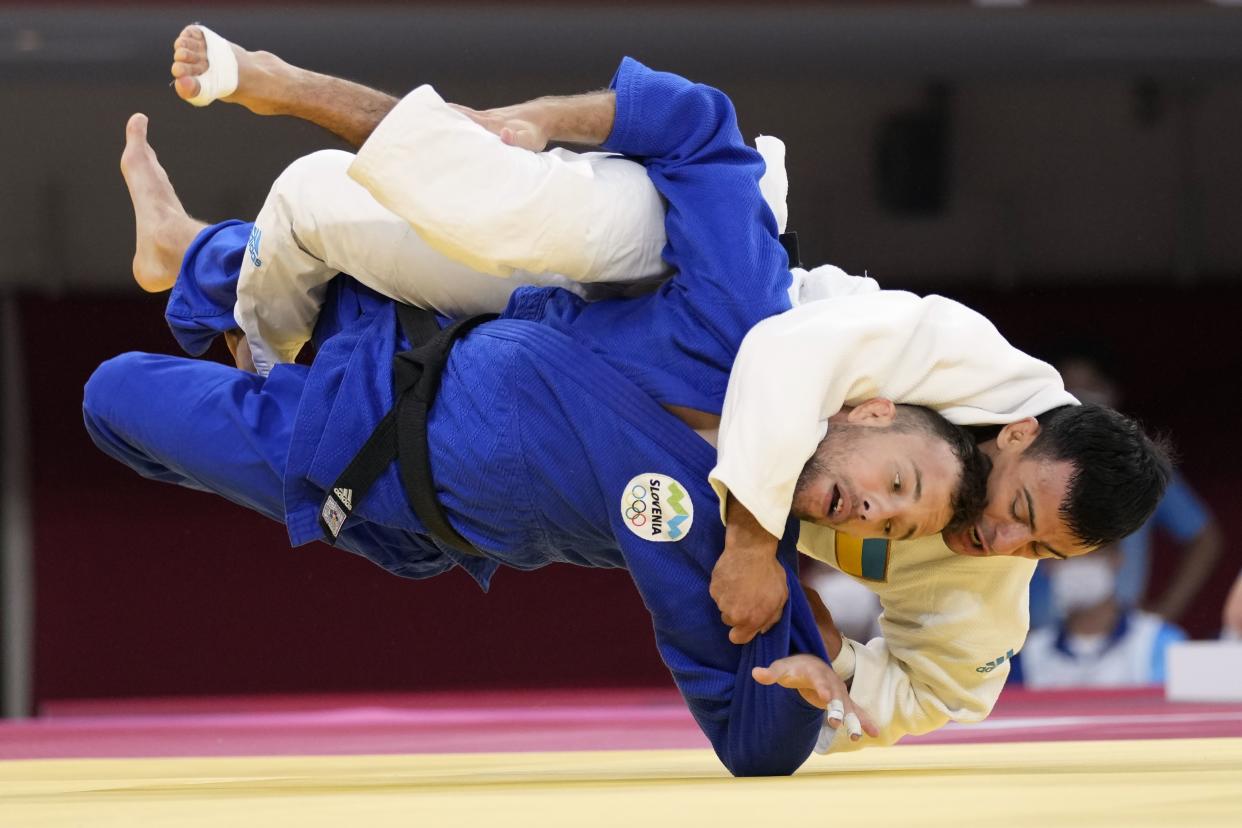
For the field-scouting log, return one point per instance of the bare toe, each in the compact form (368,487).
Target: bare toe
(136,128)
(186,86)
(191,35)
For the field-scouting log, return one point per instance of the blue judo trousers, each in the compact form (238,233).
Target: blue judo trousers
(546,424)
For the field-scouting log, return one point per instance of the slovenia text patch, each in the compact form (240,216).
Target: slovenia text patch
(657,508)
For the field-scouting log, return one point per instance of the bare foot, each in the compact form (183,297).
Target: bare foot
(261,76)
(165,230)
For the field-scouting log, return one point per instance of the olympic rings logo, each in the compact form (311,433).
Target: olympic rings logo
(636,512)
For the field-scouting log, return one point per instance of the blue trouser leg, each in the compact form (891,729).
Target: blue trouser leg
(200,306)
(198,424)
(214,428)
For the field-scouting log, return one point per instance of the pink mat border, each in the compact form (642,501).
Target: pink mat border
(527,720)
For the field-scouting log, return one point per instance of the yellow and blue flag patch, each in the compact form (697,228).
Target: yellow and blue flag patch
(866,559)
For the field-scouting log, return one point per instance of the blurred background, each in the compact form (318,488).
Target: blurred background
(1071,169)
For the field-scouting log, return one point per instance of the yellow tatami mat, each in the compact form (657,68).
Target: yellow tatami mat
(1178,783)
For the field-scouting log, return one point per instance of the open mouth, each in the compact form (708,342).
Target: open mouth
(837,504)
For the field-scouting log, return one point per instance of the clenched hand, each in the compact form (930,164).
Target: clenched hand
(750,588)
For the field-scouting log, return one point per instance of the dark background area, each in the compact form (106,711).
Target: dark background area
(1066,168)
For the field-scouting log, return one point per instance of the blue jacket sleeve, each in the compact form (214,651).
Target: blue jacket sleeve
(721,232)
(722,239)
(596,437)
(771,730)
(756,730)
(200,306)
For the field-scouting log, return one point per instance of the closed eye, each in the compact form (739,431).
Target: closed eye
(1025,521)
(1045,552)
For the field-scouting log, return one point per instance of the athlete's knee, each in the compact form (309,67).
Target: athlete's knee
(120,405)
(301,199)
(124,387)
(110,382)
(307,176)
(108,394)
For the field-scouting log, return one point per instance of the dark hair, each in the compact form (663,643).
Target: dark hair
(1119,472)
(971,494)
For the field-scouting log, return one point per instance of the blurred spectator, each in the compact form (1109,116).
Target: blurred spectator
(1099,643)
(855,609)
(1087,370)
(1231,618)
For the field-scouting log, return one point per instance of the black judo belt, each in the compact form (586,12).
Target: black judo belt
(789,241)
(402,434)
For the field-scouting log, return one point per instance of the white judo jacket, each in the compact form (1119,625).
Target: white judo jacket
(950,623)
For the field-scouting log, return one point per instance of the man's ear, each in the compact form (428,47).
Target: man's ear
(876,411)
(1018,436)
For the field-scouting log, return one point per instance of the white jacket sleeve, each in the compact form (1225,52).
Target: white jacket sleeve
(500,209)
(933,667)
(795,370)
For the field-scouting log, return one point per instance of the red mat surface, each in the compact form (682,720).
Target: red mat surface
(529,720)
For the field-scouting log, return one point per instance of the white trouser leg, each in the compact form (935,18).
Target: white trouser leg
(317,222)
(591,217)
(314,224)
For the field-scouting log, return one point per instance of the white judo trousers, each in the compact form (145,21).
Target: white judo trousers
(466,221)
(317,222)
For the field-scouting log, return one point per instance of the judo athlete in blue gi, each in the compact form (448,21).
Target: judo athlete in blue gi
(541,453)
(547,440)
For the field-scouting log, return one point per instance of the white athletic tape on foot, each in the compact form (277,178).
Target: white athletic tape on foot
(220,79)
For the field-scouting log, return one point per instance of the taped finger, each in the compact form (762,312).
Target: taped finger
(836,712)
(853,726)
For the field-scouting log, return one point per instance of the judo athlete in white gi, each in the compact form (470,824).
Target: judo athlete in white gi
(950,623)
(541,450)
